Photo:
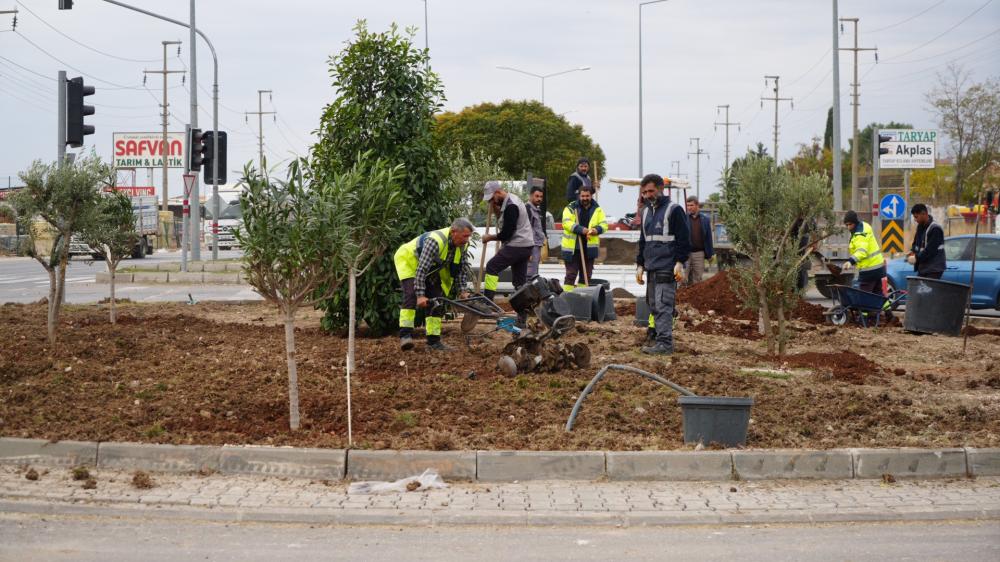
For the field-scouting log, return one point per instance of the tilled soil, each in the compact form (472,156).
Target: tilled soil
(215,374)
(716,295)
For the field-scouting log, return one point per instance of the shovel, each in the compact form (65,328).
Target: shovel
(830,266)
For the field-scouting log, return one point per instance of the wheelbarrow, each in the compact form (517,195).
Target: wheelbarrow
(867,309)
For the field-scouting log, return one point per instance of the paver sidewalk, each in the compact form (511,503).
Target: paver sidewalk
(537,502)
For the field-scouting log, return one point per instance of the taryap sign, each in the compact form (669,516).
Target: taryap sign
(146,150)
(908,148)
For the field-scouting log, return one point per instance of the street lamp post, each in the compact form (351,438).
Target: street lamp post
(426,45)
(542,77)
(641,4)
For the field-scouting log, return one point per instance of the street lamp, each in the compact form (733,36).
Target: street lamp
(425,25)
(544,76)
(641,4)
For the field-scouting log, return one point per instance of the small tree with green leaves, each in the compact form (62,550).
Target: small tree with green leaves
(110,232)
(463,182)
(775,217)
(291,237)
(62,196)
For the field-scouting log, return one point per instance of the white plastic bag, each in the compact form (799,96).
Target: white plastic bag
(427,481)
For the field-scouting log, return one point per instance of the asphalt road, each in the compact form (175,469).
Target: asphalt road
(24,280)
(44,538)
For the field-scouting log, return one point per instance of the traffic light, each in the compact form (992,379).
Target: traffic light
(195,156)
(65,4)
(76,129)
(209,140)
(881,139)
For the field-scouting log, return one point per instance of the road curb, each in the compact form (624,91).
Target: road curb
(509,466)
(324,516)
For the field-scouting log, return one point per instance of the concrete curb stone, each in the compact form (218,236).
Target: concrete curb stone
(393,465)
(324,464)
(185,277)
(150,277)
(222,278)
(669,465)
(983,462)
(161,458)
(45,453)
(775,464)
(504,466)
(906,463)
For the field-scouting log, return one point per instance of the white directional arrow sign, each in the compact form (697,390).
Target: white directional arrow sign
(892,207)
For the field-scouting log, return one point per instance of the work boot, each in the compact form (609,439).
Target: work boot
(658,349)
(650,337)
(406,343)
(438,346)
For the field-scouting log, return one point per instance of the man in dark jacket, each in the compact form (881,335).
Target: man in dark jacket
(579,178)
(927,252)
(701,242)
(664,246)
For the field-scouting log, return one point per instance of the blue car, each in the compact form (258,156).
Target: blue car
(958,252)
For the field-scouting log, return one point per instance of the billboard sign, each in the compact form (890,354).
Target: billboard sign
(908,148)
(146,150)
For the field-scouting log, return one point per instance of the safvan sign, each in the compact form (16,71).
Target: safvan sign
(146,150)
(909,148)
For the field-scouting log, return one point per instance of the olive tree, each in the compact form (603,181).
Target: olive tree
(775,217)
(110,232)
(62,196)
(291,236)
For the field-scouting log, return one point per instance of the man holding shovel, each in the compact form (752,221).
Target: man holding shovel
(583,222)
(664,247)
(517,236)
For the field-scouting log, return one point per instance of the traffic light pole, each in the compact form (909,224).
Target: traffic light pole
(61,120)
(196,212)
(876,216)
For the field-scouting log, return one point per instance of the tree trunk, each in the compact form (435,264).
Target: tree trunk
(111,275)
(351,310)
(60,285)
(51,320)
(765,318)
(293,375)
(781,330)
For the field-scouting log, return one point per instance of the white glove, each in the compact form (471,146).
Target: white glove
(848,266)
(638,275)
(678,271)
(912,260)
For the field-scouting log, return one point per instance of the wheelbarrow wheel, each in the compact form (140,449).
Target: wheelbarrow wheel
(839,316)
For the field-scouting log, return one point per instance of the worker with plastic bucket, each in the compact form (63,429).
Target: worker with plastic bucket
(427,267)
(664,247)
(518,240)
(583,222)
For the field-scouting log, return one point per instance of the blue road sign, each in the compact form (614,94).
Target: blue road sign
(892,207)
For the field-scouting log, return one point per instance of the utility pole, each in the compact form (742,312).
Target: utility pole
(260,113)
(697,164)
(776,99)
(838,179)
(61,120)
(194,217)
(165,147)
(677,169)
(727,124)
(855,194)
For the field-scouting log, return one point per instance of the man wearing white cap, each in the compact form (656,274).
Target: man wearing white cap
(514,232)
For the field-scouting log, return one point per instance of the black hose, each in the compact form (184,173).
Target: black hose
(627,369)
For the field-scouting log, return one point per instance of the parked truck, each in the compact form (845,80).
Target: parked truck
(144,208)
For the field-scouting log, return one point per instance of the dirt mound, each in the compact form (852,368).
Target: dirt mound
(625,308)
(716,294)
(845,366)
(977,331)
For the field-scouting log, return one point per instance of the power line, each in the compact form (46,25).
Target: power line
(811,68)
(66,64)
(27,69)
(98,51)
(973,42)
(945,32)
(29,102)
(909,19)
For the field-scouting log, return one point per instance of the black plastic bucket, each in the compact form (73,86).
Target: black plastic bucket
(579,304)
(552,309)
(934,306)
(609,301)
(716,419)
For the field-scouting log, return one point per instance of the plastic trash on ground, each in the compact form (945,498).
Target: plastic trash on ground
(429,480)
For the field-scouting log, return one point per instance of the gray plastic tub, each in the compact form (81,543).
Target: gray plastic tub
(710,419)
(934,306)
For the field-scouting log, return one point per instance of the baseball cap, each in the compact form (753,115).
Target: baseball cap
(490,188)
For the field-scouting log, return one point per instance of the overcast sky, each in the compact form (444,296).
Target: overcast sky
(696,55)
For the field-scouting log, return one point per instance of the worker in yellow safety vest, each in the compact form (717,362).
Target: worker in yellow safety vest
(583,221)
(865,254)
(428,266)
